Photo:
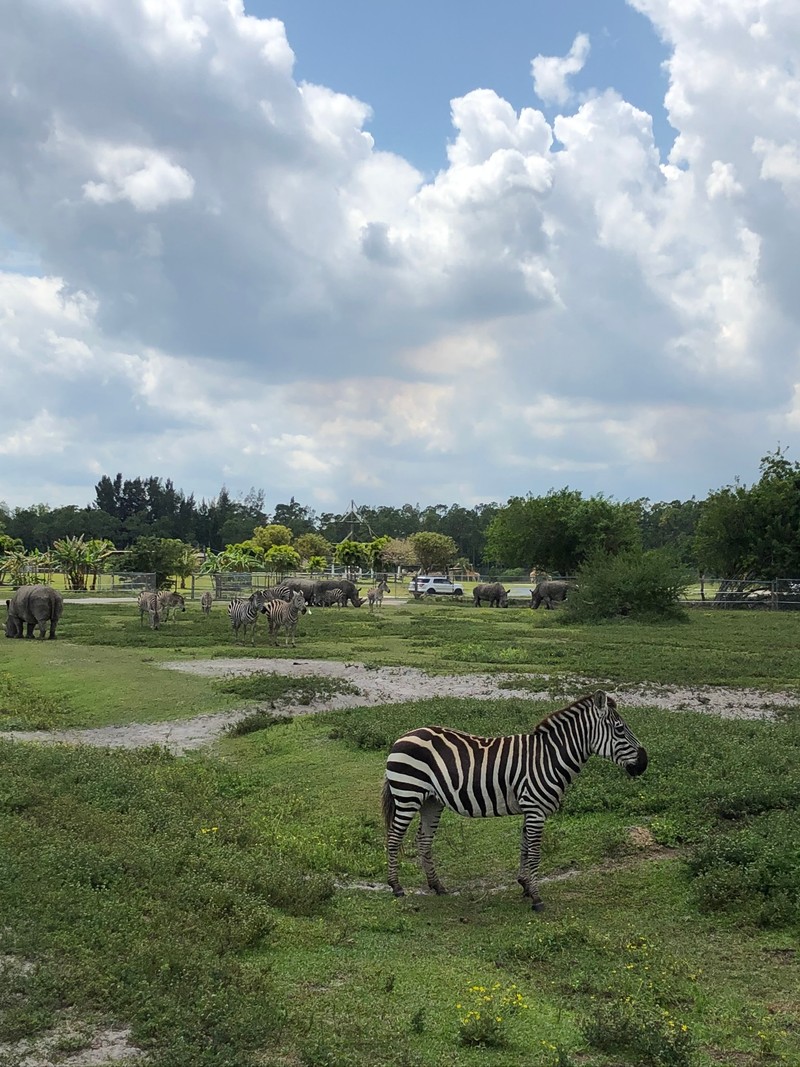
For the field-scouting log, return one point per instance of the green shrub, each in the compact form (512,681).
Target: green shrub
(631,583)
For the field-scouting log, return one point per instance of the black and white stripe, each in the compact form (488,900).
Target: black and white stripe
(330,598)
(206,600)
(148,604)
(170,601)
(432,768)
(281,613)
(244,613)
(375,595)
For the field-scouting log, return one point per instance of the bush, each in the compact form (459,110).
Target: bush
(632,583)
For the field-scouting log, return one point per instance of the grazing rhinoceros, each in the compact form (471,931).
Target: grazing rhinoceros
(549,593)
(33,605)
(491,591)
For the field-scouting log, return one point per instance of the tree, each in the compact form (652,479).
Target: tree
(275,534)
(309,545)
(282,558)
(352,554)
(433,551)
(754,532)
(316,564)
(628,583)
(72,555)
(188,561)
(298,519)
(399,552)
(153,555)
(558,531)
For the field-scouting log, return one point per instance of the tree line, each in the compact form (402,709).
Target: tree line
(738,531)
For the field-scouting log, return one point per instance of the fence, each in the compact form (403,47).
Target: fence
(761,594)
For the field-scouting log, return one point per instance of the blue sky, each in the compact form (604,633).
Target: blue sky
(409,60)
(398,253)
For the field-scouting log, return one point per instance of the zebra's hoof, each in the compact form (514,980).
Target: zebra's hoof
(537,905)
(398,891)
(439,890)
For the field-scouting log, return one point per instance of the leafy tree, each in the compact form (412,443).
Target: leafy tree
(282,558)
(433,551)
(672,525)
(352,554)
(188,563)
(309,545)
(275,534)
(558,531)
(298,519)
(754,532)
(316,564)
(153,555)
(399,552)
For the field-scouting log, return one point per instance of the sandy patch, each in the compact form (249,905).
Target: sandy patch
(396,685)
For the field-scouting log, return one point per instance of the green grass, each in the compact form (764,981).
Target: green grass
(194,900)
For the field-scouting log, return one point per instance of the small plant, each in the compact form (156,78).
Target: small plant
(647,1033)
(257,720)
(485,1013)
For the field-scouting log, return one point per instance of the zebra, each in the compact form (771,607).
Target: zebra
(281,613)
(329,597)
(274,592)
(375,595)
(170,601)
(206,600)
(244,613)
(433,767)
(149,604)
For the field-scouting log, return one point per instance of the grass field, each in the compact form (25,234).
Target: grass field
(218,905)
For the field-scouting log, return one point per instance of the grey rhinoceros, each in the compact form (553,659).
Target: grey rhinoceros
(491,591)
(549,593)
(31,606)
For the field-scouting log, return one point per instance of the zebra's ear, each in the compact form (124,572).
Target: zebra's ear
(601,701)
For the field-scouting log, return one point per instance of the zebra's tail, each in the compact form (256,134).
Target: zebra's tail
(387,805)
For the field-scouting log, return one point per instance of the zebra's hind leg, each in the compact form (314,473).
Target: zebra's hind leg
(397,822)
(429,815)
(530,854)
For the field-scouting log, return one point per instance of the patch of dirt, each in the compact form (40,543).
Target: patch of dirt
(102,1048)
(392,685)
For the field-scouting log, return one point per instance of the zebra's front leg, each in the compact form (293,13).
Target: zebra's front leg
(429,815)
(530,854)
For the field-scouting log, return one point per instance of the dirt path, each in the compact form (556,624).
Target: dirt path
(391,685)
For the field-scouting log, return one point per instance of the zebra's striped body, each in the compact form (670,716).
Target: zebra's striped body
(170,602)
(271,592)
(149,604)
(206,600)
(375,595)
(432,768)
(331,597)
(243,613)
(281,613)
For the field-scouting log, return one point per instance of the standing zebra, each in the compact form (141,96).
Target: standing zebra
(329,597)
(244,613)
(375,595)
(171,602)
(281,613)
(432,768)
(148,604)
(206,600)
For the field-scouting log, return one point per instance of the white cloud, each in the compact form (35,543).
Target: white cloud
(550,73)
(233,282)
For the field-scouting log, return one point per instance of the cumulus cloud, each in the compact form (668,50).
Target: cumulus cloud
(551,73)
(228,279)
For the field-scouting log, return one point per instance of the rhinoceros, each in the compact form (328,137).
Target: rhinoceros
(548,593)
(33,605)
(491,591)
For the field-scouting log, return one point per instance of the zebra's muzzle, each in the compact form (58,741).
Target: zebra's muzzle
(640,766)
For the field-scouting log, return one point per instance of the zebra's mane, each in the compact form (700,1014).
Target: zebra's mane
(555,718)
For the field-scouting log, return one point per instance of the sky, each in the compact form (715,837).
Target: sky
(426,253)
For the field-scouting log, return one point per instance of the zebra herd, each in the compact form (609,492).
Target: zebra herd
(157,607)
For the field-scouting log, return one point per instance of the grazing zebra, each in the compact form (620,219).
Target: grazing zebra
(149,604)
(171,602)
(206,600)
(244,613)
(281,613)
(270,592)
(375,595)
(432,768)
(329,597)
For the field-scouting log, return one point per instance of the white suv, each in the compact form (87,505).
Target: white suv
(431,584)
